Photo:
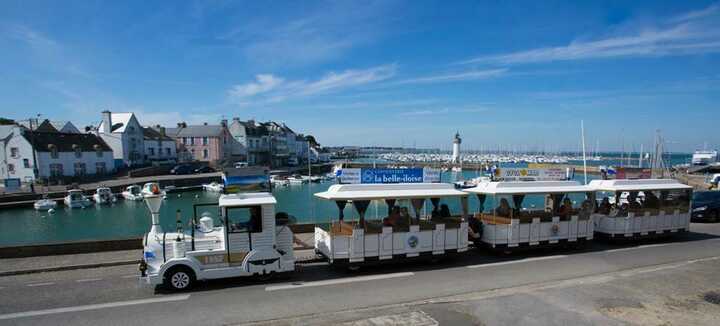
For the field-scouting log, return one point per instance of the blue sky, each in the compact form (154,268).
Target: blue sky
(517,75)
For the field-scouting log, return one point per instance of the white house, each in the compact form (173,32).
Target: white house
(159,147)
(58,155)
(123,133)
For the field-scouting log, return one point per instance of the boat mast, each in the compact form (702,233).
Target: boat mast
(582,132)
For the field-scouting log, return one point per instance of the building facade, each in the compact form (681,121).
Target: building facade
(159,147)
(204,143)
(31,155)
(124,134)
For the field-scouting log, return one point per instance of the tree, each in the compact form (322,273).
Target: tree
(311,139)
(6,121)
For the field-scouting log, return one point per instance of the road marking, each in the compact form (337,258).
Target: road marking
(654,245)
(88,280)
(337,281)
(703,259)
(525,260)
(621,249)
(93,307)
(41,284)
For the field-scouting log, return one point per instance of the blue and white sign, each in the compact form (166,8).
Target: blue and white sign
(415,175)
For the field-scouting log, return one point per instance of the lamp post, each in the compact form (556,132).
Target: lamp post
(32,145)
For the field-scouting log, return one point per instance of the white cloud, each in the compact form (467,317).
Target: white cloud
(264,83)
(692,33)
(425,112)
(269,88)
(462,76)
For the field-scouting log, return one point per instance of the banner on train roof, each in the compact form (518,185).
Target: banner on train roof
(527,174)
(246,179)
(633,173)
(368,175)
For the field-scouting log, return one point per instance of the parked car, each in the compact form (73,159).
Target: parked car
(706,206)
(204,169)
(240,165)
(182,169)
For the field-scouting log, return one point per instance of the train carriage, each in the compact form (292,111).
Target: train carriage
(532,213)
(642,207)
(427,227)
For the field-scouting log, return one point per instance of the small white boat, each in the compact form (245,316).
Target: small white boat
(213,186)
(456,169)
(296,180)
(132,193)
(152,189)
(45,204)
(76,199)
(103,195)
(278,181)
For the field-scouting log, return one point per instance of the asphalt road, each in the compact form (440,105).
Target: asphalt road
(114,295)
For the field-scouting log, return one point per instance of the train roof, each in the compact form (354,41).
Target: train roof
(247,199)
(527,187)
(389,191)
(637,184)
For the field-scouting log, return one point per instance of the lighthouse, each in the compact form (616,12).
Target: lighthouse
(456,148)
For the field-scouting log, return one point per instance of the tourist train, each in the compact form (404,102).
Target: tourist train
(383,222)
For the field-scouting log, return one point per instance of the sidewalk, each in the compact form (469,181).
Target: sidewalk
(15,266)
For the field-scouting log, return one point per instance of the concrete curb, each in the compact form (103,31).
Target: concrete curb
(67,268)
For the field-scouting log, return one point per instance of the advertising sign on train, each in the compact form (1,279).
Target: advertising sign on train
(368,175)
(246,179)
(527,174)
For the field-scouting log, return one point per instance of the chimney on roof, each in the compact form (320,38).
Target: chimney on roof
(204,123)
(107,121)
(162,131)
(223,122)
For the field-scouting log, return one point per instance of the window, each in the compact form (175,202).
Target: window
(151,151)
(184,140)
(99,152)
(14,152)
(53,152)
(26,163)
(167,151)
(100,168)
(204,140)
(192,140)
(79,169)
(56,170)
(244,219)
(78,152)
(11,168)
(206,153)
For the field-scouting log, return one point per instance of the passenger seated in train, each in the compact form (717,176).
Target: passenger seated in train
(565,209)
(504,210)
(651,201)
(623,210)
(393,218)
(586,209)
(444,211)
(604,207)
(633,202)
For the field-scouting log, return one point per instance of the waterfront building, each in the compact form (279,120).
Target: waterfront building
(124,134)
(159,147)
(205,143)
(269,143)
(52,155)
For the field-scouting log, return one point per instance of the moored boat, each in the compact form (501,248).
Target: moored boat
(213,187)
(132,193)
(76,199)
(103,195)
(45,204)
